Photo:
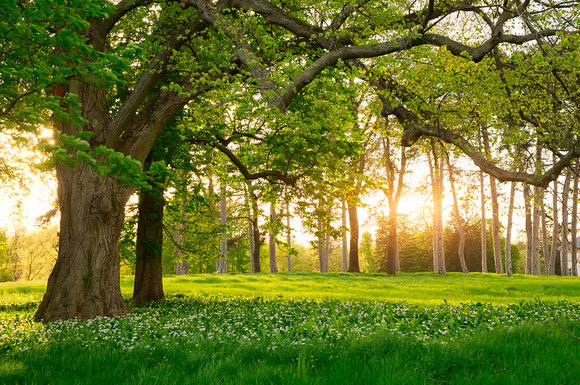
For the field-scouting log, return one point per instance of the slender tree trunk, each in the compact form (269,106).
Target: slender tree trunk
(148,285)
(458,219)
(222,263)
(574,235)
(437,183)
(565,243)
(256,242)
(529,228)
(344,239)
(272,241)
(508,236)
(551,260)
(322,256)
(483,226)
(353,261)
(85,281)
(288,238)
(545,247)
(252,245)
(534,261)
(495,227)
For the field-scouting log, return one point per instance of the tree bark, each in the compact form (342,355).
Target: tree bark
(272,240)
(436,173)
(85,281)
(322,255)
(544,225)
(495,227)
(288,239)
(534,259)
(574,236)
(529,228)
(393,194)
(353,260)
(148,285)
(458,219)
(255,239)
(565,243)
(551,258)
(344,238)
(483,226)
(222,263)
(508,236)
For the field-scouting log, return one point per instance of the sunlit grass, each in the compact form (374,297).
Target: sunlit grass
(307,329)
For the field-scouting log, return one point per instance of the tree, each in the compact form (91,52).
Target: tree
(111,97)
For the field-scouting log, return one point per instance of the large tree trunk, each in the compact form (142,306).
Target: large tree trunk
(353,260)
(551,258)
(545,247)
(344,239)
(565,243)
(458,219)
(85,282)
(148,285)
(272,240)
(393,263)
(508,235)
(483,226)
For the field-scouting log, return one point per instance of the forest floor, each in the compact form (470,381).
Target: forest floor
(307,329)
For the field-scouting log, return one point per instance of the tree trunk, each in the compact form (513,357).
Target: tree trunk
(551,259)
(534,259)
(272,241)
(508,236)
(545,248)
(437,185)
(222,263)
(458,219)
(85,282)
(483,226)
(529,228)
(181,264)
(353,260)
(322,256)
(393,264)
(565,243)
(344,238)
(574,236)
(256,241)
(495,227)
(288,239)
(148,285)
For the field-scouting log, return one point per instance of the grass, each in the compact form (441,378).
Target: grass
(307,329)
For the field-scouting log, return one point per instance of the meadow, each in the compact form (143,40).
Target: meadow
(308,329)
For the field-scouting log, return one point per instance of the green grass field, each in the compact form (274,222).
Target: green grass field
(308,329)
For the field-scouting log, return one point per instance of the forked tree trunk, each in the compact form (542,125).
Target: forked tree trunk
(148,285)
(483,226)
(508,235)
(565,243)
(458,219)
(85,282)
(344,239)
(272,241)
